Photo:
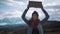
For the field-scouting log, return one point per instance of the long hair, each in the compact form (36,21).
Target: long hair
(36,14)
(31,17)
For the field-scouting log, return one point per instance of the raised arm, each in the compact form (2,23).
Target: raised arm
(23,15)
(46,14)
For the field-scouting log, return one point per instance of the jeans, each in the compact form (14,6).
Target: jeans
(40,28)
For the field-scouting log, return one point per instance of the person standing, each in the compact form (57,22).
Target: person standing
(34,22)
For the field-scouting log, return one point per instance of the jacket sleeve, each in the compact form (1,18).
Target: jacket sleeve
(46,14)
(23,16)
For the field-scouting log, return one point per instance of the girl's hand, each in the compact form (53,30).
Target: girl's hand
(28,7)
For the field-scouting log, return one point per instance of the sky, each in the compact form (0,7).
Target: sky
(12,10)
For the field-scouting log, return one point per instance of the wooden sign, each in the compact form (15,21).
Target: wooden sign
(35,4)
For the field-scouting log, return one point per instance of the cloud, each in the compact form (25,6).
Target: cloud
(10,14)
(13,2)
(54,14)
(53,9)
(16,3)
(20,23)
(11,21)
(3,24)
(51,3)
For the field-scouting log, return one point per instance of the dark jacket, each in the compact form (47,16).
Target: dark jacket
(28,21)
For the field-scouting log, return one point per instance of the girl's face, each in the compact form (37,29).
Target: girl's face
(34,16)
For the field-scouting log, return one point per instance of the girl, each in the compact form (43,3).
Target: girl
(34,24)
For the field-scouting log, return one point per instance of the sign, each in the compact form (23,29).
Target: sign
(35,4)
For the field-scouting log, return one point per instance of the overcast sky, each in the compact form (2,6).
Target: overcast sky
(14,8)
